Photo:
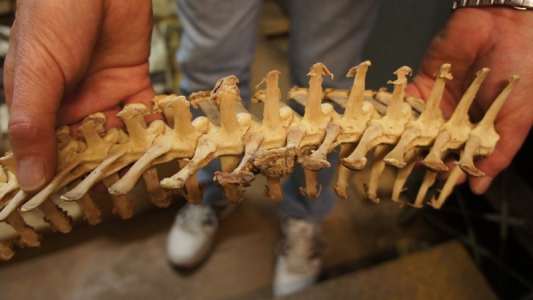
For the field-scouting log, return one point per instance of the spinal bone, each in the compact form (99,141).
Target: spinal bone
(396,127)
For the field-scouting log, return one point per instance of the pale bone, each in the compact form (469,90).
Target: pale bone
(427,182)
(278,161)
(347,129)
(8,183)
(483,138)
(226,141)
(231,192)
(8,162)
(229,104)
(28,236)
(193,192)
(159,196)
(140,138)
(418,133)
(309,133)
(183,139)
(75,157)
(180,142)
(447,189)
(270,159)
(123,205)
(66,147)
(15,202)
(305,134)
(270,134)
(341,97)
(6,250)
(402,175)
(454,133)
(386,130)
(481,143)
(350,127)
(383,97)
(92,212)
(58,219)
(343,173)
(422,131)
(79,158)
(378,165)
(161,105)
(201,100)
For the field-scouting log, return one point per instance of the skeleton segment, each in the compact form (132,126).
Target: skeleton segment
(396,127)
(382,131)
(480,143)
(309,133)
(225,142)
(271,134)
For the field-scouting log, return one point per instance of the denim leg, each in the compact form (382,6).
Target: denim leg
(333,34)
(213,195)
(218,40)
(294,205)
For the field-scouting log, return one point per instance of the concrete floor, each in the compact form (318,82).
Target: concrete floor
(126,259)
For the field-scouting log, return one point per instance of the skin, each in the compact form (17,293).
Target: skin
(71,58)
(496,38)
(68,59)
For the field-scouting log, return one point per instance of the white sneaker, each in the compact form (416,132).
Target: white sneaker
(298,264)
(192,235)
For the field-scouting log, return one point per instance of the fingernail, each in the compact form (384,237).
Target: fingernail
(31,175)
(483,185)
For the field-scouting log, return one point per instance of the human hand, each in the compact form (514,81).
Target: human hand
(68,59)
(497,38)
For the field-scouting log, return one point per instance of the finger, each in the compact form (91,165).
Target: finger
(106,89)
(498,160)
(37,91)
(112,121)
(146,97)
(38,84)
(31,130)
(450,161)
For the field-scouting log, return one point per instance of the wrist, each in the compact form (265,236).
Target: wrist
(516,4)
(494,20)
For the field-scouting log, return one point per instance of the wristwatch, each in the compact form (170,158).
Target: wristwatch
(518,4)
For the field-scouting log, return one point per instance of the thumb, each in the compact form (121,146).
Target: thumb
(35,88)
(513,130)
(34,147)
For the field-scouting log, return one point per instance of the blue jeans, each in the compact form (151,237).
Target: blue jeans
(219,39)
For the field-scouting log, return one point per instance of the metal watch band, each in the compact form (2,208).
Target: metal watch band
(518,4)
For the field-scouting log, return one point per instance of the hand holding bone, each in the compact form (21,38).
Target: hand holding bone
(492,38)
(67,60)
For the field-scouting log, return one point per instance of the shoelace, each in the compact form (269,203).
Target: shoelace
(300,250)
(193,218)
(299,254)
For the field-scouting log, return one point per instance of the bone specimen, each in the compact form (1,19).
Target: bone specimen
(395,127)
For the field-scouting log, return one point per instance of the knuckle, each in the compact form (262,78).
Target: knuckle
(23,132)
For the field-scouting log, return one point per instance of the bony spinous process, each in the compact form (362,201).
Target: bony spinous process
(397,128)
